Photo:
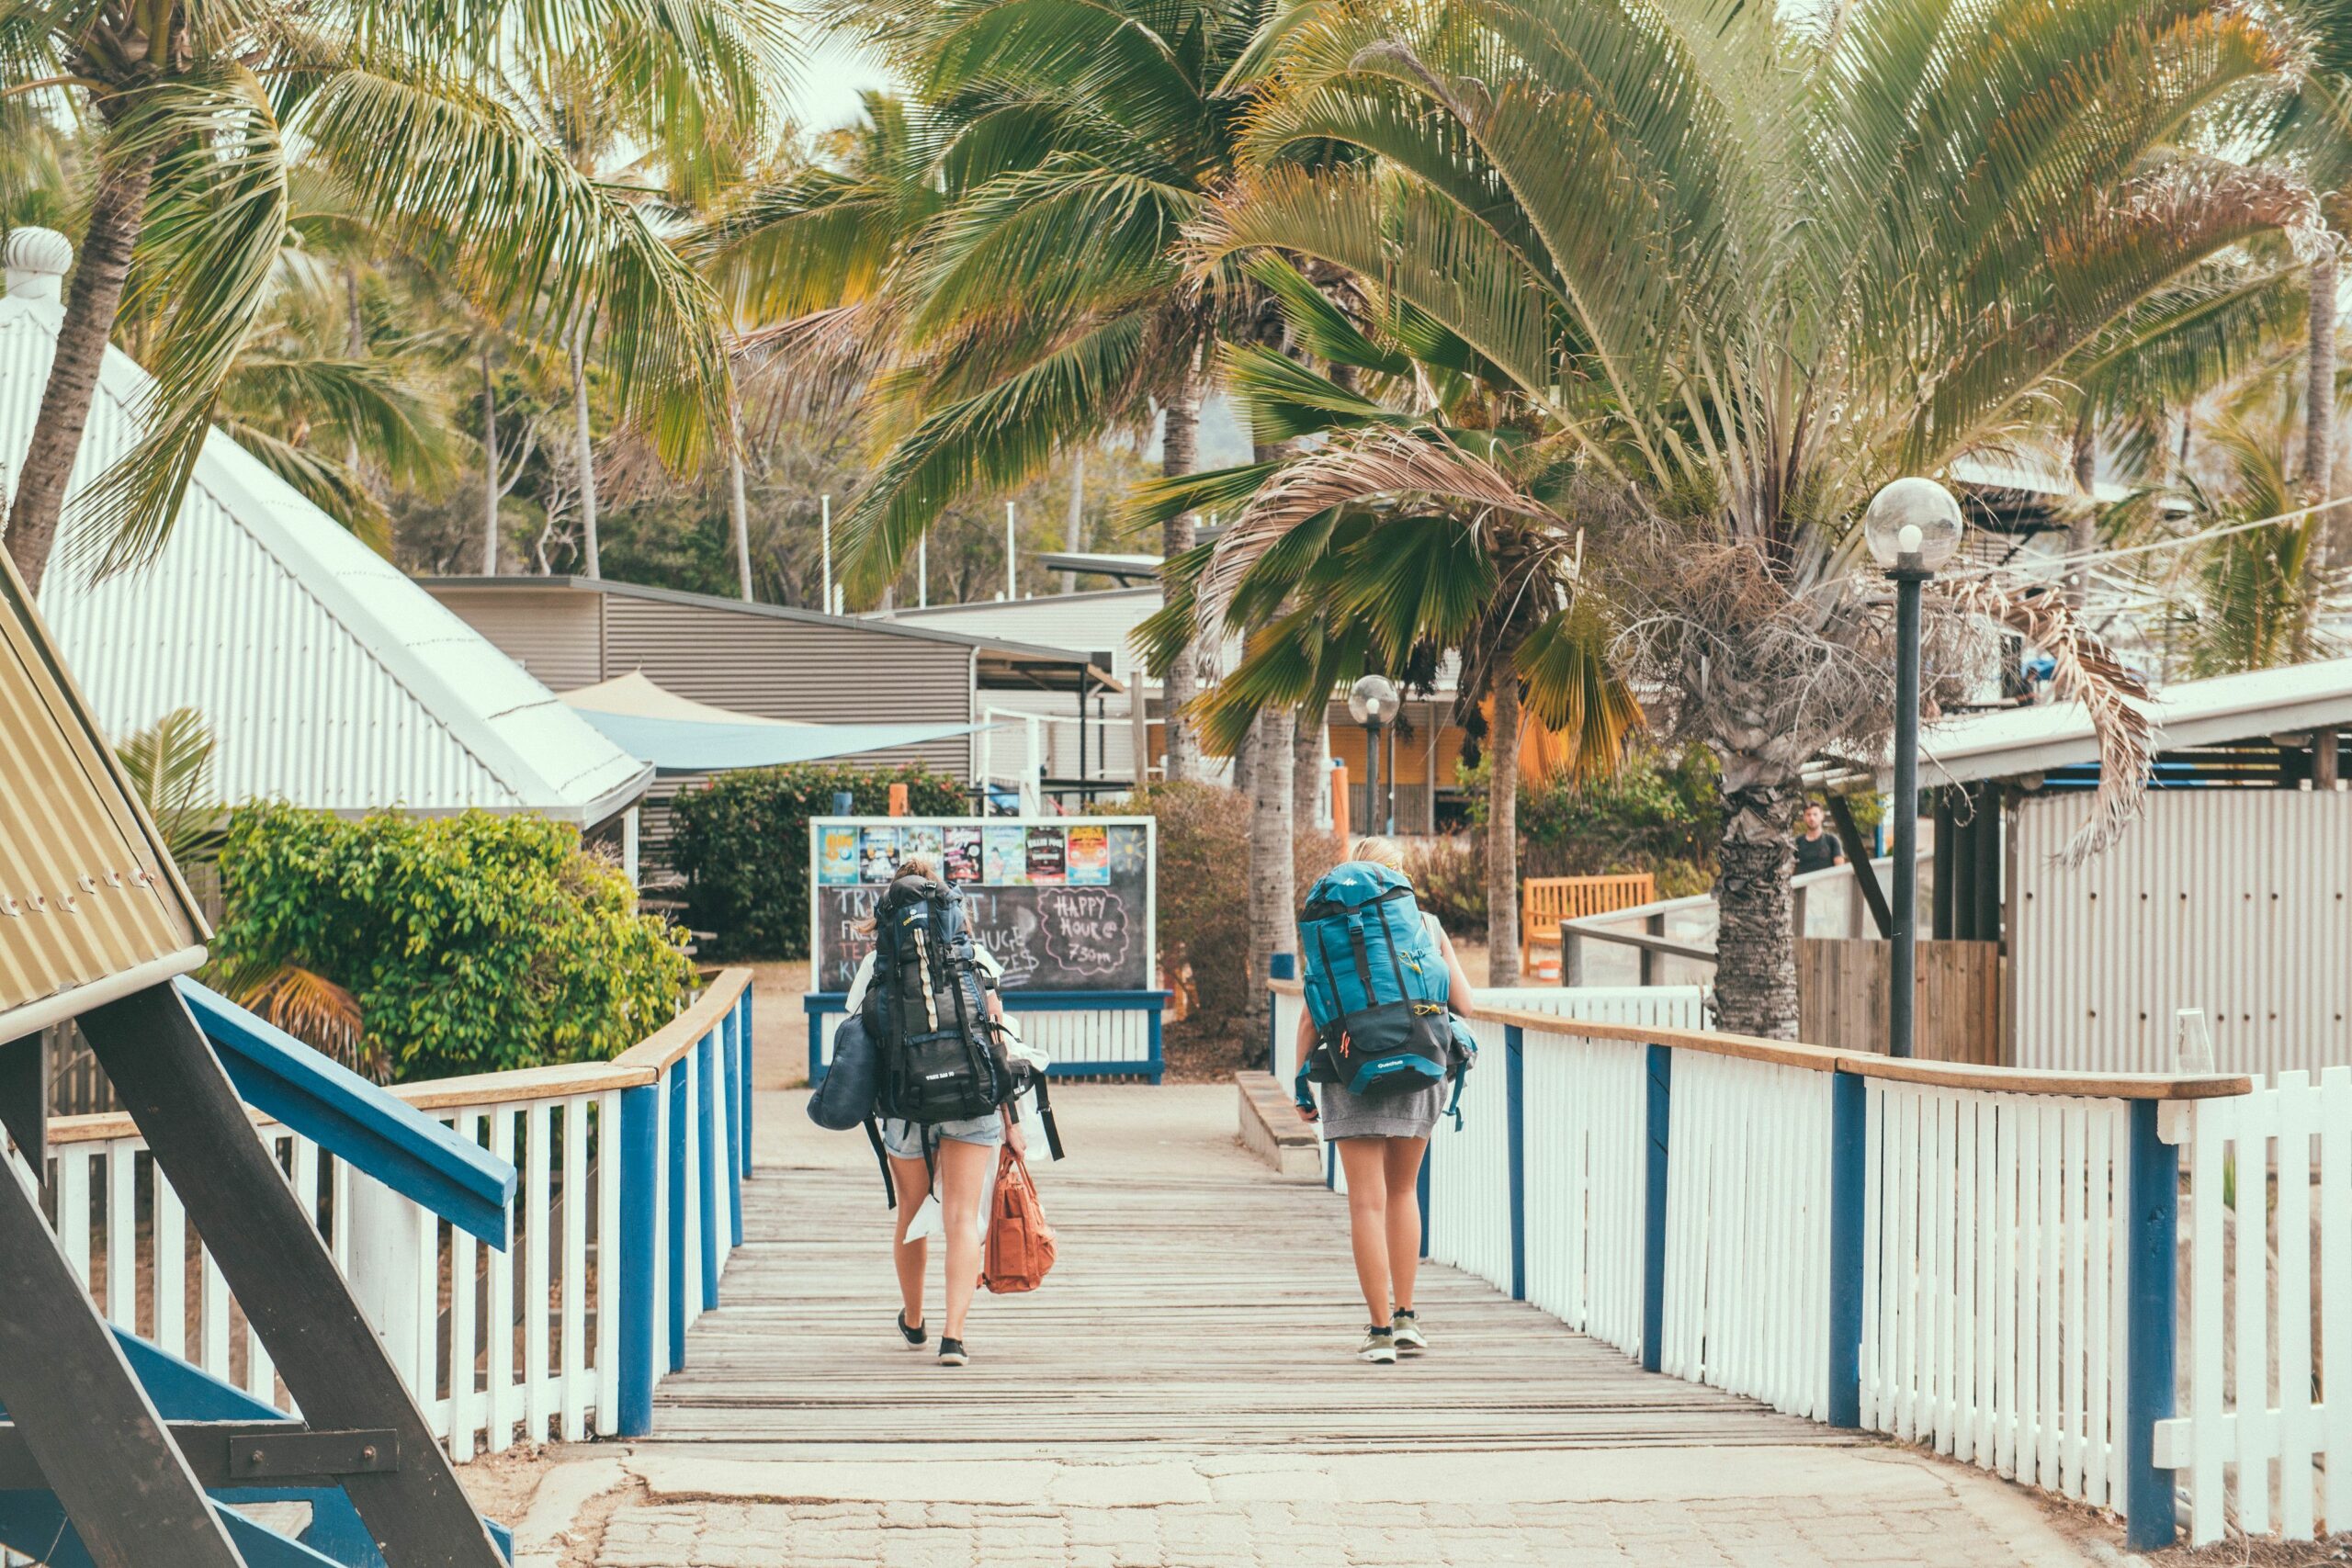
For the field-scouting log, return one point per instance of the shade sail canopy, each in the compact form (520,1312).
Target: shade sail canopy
(687,746)
(636,696)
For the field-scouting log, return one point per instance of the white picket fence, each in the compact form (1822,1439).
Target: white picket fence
(2268,1451)
(497,1347)
(1964,1257)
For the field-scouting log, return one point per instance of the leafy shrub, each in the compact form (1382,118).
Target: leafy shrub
(472,944)
(742,841)
(1450,882)
(1204,883)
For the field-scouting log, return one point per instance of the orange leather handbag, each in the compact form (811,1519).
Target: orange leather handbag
(1021,1243)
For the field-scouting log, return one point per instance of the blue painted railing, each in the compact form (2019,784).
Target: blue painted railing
(1087,1033)
(1841,1235)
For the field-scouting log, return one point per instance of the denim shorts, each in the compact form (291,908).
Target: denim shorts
(904,1139)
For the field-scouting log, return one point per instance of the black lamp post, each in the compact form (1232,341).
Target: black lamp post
(1371,702)
(1913,527)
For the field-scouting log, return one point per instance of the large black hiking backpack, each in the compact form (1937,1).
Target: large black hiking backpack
(925,1009)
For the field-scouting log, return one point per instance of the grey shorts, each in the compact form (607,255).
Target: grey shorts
(904,1139)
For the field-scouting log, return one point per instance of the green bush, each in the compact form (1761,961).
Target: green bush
(741,843)
(472,944)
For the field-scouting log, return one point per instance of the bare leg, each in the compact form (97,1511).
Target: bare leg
(911,1256)
(1365,1161)
(1404,1179)
(963,1170)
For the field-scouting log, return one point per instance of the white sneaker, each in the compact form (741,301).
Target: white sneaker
(1379,1348)
(1407,1334)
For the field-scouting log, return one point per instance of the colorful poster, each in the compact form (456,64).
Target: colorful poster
(837,856)
(962,859)
(1090,854)
(921,842)
(1004,861)
(1048,855)
(1126,849)
(879,859)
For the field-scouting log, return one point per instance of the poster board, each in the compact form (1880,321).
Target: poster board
(1067,904)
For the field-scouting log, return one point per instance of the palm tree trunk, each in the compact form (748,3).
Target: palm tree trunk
(2319,391)
(1310,765)
(585,449)
(355,347)
(1755,970)
(2082,531)
(1076,531)
(488,467)
(1502,832)
(1180,448)
(739,515)
(1272,881)
(118,213)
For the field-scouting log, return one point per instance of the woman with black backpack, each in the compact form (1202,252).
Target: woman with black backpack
(959,1152)
(1382,1137)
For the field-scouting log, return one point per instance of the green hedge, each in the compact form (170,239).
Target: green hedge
(472,944)
(741,843)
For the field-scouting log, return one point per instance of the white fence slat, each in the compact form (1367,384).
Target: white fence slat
(608,1293)
(500,1408)
(2336,1286)
(2100,1155)
(2296,1428)
(464,1402)
(575,1349)
(122,1234)
(537,1404)
(171,1269)
(2255,1118)
(2074,1438)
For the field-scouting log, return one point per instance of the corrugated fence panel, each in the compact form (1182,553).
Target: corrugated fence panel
(2236,901)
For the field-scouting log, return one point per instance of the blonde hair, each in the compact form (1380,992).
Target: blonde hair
(1379,851)
(913,865)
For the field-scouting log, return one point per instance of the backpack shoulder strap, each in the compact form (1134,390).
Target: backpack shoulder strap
(882,1158)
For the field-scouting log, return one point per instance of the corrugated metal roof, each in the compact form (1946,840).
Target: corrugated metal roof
(87,895)
(329,679)
(2011,741)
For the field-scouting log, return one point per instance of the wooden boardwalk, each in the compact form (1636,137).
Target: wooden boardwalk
(1214,1313)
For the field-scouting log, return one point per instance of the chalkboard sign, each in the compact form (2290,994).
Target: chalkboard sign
(1065,904)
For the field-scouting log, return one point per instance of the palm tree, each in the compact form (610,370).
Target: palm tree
(1045,305)
(1750,263)
(1409,513)
(201,109)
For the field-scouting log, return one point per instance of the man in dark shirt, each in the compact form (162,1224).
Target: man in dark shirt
(1817,850)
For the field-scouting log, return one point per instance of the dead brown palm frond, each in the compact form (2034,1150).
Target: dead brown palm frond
(1351,467)
(2089,672)
(315,1011)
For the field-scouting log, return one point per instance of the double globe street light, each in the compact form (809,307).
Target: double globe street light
(1913,527)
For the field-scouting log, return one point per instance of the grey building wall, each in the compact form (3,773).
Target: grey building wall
(556,636)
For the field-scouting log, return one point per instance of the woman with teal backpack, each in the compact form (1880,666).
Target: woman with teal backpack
(1373,958)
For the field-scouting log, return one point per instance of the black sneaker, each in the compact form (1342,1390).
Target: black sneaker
(915,1336)
(951,1352)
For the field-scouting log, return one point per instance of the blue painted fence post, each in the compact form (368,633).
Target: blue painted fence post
(713,1179)
(640,1109)
(730,1057)
(674,1089)
(1285,967)
(2149,1368)
(1661,1099)
(1515,1125)
(743,1068)
(1849,1133)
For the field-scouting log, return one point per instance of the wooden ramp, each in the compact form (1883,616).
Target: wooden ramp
(1199,1315)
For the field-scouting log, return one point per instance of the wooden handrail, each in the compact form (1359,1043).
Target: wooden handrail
(642,1063)
(1864,1064)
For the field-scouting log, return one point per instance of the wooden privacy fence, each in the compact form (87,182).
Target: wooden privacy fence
(1844,989)
(557,1318)
(1978,1260)
(1545,901)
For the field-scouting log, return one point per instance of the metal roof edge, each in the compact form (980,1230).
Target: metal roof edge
(744,607)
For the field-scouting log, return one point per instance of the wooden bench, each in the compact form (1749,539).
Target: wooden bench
(1545,901)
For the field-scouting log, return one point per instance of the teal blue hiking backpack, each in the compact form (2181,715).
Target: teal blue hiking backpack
(1377,985)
